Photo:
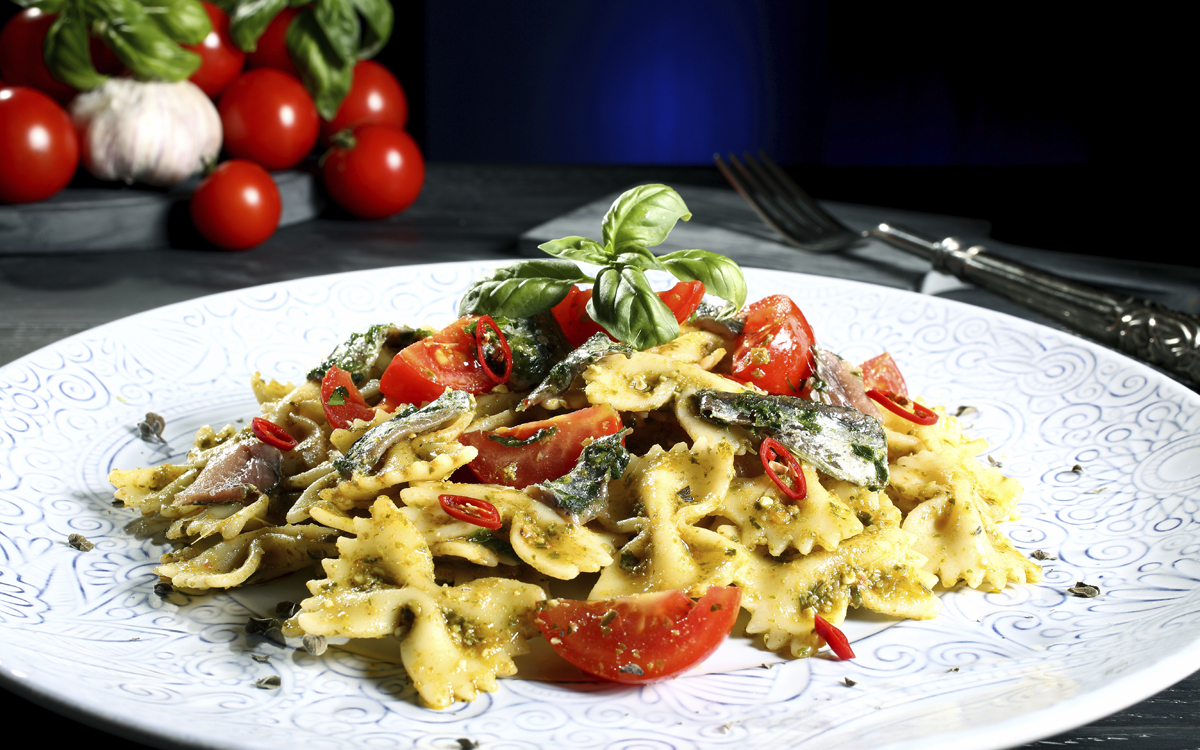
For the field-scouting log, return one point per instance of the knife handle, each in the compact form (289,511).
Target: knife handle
(1140,328)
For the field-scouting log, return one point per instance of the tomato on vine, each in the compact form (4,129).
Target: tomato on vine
(237,206)
(373,171)
(220,58)
(39,149)
(269,118)
(271,50)
(375,97)
(21,59)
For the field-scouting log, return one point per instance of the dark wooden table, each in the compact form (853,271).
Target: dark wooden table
(465,212)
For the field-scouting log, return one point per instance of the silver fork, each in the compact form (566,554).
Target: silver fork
(1143,329)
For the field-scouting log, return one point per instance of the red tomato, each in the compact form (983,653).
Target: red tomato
(651,637)
(549,458)
(683,298)
(353,405)
(424,370)
(39,149)
(268,118)
(882,373)
(774,351)
(375,98)
(271,50)
(22,61)
(578,326)
(573,318)
(379,172)
(237,206)
(220,59)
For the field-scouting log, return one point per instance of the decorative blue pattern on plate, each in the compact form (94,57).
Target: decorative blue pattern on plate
(85,631)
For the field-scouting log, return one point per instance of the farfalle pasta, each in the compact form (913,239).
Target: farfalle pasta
(443,488)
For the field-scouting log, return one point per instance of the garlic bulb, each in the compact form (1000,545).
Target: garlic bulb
(156,133)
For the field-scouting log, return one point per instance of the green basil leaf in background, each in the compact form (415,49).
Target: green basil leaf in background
(576,248)
(184,21)
(625,305)
(380,18)
(138,42)
(638,257)
(721,276)
(226,5)
(523,289)
(250,19)
(643,216)
(67,55)
(326,75)
(339,22)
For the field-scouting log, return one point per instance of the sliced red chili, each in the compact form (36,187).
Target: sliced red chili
(481,326)
(272,434)
(472,510)
(920,413)
(772,446)
(838,643)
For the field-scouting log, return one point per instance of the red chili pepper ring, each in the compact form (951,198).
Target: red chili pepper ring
(772,446)
(839,644)
(481,326)
(920,414)
(472,510)
(272,434)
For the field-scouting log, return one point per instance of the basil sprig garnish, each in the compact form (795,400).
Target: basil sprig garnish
(324,41)
(144,35)
(622,300)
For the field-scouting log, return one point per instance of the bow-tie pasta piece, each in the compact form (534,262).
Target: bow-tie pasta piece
(671,491)
(253,557)
(455,641)
(764,516)
(648,380)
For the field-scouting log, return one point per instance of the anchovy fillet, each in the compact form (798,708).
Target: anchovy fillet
(583,492)
(572,366)
(840,441)
(356,354)
(369,448)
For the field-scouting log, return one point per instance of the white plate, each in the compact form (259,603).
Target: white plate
(85,633)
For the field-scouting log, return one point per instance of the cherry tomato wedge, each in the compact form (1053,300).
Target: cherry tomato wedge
(774,351)
(578,326)
(447,359)
(549,457)
(882,374)
(272,434)
(472,510)
(341,400)
(899,405)
(772,448)
(641,638)
(839,644)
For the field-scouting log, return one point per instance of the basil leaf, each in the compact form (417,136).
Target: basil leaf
(625,305)
(339,396)
(250,19)
(184,21)
(138,42)
(720,275)
(638,257)
(523,289)
(339,23)
(326,75)
(512,442)
(576,248)
(67,55)
(379,17)
(226,5)
(642,217)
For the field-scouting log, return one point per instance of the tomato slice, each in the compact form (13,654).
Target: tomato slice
(573,318)
(774,351)
(447,359)
(881,373)
(348,404)
(550,457)
(641,638)
(683,298)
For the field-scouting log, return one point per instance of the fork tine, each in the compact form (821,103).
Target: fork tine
(761,200)
(801,199)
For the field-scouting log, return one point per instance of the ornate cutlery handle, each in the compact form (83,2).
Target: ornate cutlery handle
(1143,329)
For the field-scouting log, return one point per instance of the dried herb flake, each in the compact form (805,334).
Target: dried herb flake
(632,669)
(80,542)
(150,429)
(315,644)
(1084,590)
(271,682)
(848,682)
(1038,554)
